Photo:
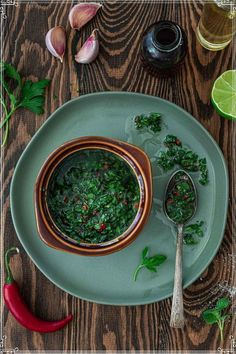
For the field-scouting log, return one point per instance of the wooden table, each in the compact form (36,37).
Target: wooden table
(98,327)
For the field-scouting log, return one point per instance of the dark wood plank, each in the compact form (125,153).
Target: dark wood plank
(121,24)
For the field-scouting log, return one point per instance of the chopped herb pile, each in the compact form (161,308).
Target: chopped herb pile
(204,171)
(20,94)
(218,315)
(150,263)
(94,196)
(172,141)
(193,232)
(180,203)
(151,121)
(175,154)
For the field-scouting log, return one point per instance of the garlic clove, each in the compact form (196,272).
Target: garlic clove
(56,41)
(82,13)
(89,51)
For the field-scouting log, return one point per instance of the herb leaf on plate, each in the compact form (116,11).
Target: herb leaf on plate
(151,263)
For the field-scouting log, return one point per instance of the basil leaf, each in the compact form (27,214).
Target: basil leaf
(144,253)
(151,268)
(157,260)
(149,262)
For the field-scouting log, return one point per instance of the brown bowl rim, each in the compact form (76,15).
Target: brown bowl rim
(113,145)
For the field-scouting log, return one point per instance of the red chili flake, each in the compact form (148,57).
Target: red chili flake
(169,201)
(136,205)
(176,193)
(185,197)
(85,207)
(102,227)
(177,142)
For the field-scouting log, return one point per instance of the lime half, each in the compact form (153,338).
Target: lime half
(223,94)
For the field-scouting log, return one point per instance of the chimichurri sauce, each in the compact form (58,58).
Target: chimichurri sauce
(93,196)
(180,203)
(176,154)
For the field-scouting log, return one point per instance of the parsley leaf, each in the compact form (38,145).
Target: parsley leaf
(22,94)
(149,262)
(32,95)
(9,71)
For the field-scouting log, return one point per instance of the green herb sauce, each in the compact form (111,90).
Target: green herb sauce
(93,196)
(180,202)
(151,121)
(175,154)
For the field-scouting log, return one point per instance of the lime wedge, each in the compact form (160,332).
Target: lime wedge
(223,94)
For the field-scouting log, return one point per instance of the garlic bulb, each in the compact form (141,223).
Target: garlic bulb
(82,13)
(56,41)
(89,51)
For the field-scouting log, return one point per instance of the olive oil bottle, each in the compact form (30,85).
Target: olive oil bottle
(217,24)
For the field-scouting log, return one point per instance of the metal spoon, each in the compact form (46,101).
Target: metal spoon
(177,310)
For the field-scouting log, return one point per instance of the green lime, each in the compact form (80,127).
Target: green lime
(223,94)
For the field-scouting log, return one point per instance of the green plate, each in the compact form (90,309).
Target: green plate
(108,279)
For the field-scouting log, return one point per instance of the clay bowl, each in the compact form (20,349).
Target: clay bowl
(132,155)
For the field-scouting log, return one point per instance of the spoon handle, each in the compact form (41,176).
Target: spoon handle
(177,310)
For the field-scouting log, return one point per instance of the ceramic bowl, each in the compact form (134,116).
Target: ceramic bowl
(133,156)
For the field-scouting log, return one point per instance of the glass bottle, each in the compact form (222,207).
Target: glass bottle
(217,24)
(163,47)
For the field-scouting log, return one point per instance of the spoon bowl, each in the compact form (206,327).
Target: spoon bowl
(176,177)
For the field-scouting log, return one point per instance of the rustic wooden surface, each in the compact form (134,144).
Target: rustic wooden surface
(98,327)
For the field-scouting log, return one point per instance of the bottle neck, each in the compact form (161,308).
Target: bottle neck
(167,36)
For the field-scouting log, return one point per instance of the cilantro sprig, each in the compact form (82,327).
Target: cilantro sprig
(149,262)
(19,94)
(218,315)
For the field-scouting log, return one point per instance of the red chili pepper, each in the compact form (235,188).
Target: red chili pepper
(18,307)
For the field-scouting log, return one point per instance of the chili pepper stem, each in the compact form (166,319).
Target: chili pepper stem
(9,277)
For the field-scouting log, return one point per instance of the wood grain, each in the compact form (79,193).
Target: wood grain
(118,67)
